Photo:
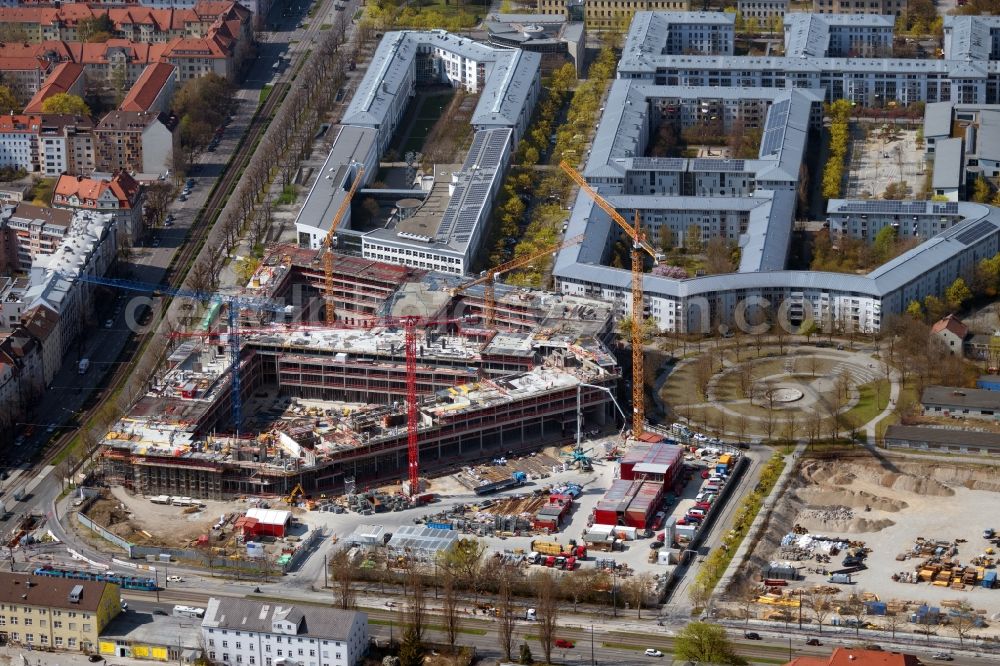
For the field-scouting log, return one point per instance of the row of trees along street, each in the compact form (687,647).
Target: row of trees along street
(462,581)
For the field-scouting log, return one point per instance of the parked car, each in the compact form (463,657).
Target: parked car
(95,658)
(174,579)
(813,641)
(109,323)
(650,652)
(942,656)
(563,643)
(751,636)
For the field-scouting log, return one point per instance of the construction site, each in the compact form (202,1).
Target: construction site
(896,534)
(334,408)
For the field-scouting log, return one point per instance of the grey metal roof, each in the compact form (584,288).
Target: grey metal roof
(806,34)
(945,396)
(988,142)
(253,616)
(937,119)
(948,164)
(510,75)
(764,246)
(508,87)
(648,65)
(335,178)
(967,38)
(956,436)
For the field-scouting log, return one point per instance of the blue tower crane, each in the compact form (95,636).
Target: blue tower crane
(233,304)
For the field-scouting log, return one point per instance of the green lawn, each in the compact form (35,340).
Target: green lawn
(874,398)
(265,92)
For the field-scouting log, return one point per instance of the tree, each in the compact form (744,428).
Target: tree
(66,104)
(718,256)
(371,208)
(449,609)
(638,589)
(981,191)
(855,608)
(703,642)
(884,244)
(935,307)
(665,237)
(342,576)
(957,294)
(547,602)
(411,651)
(524,655)
(962,621)
(894,621)
(820,605)
(96,29)
(507,620)
(692,241)
(416,605)
(8,103)
(465,561)
(915,310)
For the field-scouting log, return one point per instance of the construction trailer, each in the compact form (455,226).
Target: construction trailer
(656,461)
(630,503)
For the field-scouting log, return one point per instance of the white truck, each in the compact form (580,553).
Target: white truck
(84,366)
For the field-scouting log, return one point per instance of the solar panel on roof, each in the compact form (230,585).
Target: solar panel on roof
(707,164)
(975,232)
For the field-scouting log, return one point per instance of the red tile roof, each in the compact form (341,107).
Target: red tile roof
(953,324)
(13,63)
(27,124)
(147,87)
(121,185)
(62,78)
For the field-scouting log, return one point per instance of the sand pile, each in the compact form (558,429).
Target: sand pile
(918,485)
(824,497)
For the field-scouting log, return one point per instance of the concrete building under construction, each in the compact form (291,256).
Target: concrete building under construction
(326,407)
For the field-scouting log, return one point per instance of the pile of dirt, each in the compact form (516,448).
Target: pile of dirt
(826,496)
(917,485)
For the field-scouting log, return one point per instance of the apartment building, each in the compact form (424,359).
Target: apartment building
(683,33)
(22,354)
(243,632)
(55,613)
(31,231)
(66,77)
(882,7)
(762,10)
(119,196)
(23,74)
(152,90)
(61,22)
(19,141)
(66,145)
(838,35)
(955,235)
(608,14)
(134,141)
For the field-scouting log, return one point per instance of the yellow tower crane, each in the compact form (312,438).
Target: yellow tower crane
(328,242)
(639,244)
(488,277)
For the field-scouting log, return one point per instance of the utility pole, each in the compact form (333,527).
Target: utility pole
(592,662)
(326,569)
